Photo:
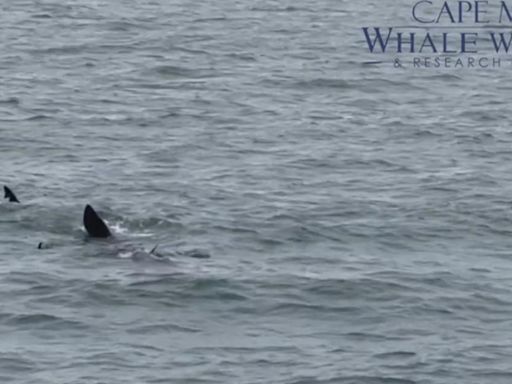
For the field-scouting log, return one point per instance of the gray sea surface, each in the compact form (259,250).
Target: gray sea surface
(357,218)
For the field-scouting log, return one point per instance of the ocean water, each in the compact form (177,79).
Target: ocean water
(357,218)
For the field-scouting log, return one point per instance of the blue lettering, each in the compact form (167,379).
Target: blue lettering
(505,9)
(465,41)
(498,44)
(427,42)
(469,7)
(415,16)
(377,39)
(479,10)
(400,41)
(445,9)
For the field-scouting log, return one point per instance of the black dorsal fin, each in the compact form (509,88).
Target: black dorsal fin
(94,225)
(8,194)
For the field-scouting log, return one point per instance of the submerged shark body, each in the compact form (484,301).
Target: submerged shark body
(96,228)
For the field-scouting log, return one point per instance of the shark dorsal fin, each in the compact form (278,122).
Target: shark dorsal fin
(8,194)
(94,225)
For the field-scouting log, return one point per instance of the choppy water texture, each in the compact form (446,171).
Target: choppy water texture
(358,218)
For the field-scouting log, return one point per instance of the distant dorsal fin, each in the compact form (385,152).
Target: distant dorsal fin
(8,194)
(94,225)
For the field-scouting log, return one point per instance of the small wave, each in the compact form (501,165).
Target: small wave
(354,380)
(152,222)
(42,320)
(325,83)
(42,16)
(209,19)
(202,288)
(15,363)
(10,100)
(195,254)
(423,133)
(395,354)
(117,227)
(165,327)
(242,56)
(294,308)
(290,8)
(171,70)
(125,255)
(37,118)
(444,77)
